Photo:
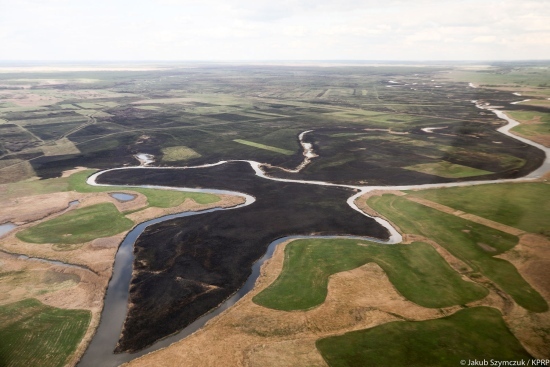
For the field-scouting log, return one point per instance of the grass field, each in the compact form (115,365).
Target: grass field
(417,271)
(536,102)
(474,333)
(533,124)
(519,205)
(55,120)
(155,197)
(34,187)
(34,334)
(179,153)
(447,169)
(263,146)
(78,226)
(473,243)
(32,282)
(523,76)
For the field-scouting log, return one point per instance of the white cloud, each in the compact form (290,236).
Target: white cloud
(484,39)
(286,29)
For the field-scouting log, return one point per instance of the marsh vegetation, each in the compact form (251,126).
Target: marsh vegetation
(383,125)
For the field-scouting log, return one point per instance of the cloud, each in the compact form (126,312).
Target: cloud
(484,39)
(286,29)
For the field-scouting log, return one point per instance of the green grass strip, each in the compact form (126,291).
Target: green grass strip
(156,197)
(265,147)
(471,334)
(78,226)
(471,242)
(519,205)
(417,271)
(34,334)
(447,169)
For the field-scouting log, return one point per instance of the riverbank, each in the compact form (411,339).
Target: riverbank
(68,276)
(363,189)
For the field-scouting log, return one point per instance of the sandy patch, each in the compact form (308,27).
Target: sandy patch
(69,172)
(31,208)
(25,279)
(531,256)
(291,353)
(251,335)
(20,170)
(541,139)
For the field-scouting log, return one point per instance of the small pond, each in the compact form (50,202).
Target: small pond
(6,227)
(120,196)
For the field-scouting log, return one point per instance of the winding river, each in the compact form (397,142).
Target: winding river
(99,352)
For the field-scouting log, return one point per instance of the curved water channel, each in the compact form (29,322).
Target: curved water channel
(99,352)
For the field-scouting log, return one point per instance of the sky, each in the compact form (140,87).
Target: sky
(216,30)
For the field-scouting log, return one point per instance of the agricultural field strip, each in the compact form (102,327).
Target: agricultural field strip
(229,122)
(416,270)
(469,334)
(55,339)
(27,131)
(48,120)
(448,232)
(141,130)
(90,121)
(468,216)
(263,146)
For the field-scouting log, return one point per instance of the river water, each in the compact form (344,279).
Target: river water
(99,352)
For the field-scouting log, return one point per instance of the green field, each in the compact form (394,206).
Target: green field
(417,271)
(263,146)
(156,197)
(470,334)
(34,334)
(473,243)
(447,169)
(77,182)
(539,123)
(54,120)
(519,205)
(34,187)
(179,153)
(493,77)
(78,226)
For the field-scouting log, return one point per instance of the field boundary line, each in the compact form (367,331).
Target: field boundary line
(468,216)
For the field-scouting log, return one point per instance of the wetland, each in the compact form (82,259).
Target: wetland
(324,137)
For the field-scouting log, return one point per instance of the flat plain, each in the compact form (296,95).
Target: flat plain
(472,258)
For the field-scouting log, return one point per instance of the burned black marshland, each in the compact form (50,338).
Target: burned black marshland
(382,126)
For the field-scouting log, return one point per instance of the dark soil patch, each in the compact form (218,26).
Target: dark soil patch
(187,266)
